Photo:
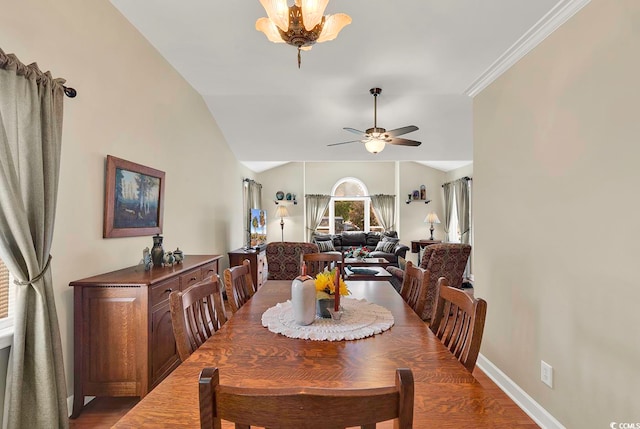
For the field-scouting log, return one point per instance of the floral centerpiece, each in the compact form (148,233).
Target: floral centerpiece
(357,252)
(326,297)
(326,285)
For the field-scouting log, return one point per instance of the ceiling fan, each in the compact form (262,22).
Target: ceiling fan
(376,138)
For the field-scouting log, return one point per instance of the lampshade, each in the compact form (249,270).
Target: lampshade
(301,25)
(432,218)
(281,212)
(374,145)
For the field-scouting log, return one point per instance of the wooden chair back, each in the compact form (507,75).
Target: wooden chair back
(196,314)
(318,262)
(308,407)
(414,287)
(458,321)
(239,285)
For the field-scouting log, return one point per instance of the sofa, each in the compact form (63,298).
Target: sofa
(391,249)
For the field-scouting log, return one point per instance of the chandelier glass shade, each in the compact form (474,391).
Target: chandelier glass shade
(301,25)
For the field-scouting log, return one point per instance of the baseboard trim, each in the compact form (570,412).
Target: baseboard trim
(541,416)
(87,399)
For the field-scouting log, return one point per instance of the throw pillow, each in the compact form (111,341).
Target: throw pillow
(390,239)
(385,246)
(325,246)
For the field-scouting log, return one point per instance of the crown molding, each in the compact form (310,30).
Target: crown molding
(557,16)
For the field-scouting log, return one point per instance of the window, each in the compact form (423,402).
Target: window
(349,209)
(7,297)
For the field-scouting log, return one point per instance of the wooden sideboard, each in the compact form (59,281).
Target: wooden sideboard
(258,260)
(123,336)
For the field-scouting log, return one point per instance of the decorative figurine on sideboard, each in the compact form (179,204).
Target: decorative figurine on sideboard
(168,259)
(146,259)
(178,255)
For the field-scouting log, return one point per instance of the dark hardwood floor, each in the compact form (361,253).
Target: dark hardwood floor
(105,412)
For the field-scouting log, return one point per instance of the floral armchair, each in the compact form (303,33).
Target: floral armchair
(440,260)
(283,258)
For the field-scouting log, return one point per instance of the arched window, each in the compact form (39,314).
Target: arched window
(349,209)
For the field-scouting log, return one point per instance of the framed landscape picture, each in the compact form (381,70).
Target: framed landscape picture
(134,199)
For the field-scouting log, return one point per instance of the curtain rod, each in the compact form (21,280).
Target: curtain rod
(467,178)
(69,92)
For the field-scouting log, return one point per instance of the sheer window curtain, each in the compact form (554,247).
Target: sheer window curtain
(384,206)
(316,204)
(31,110)
(448,207)
(462,204)
(251,199)
(463,201)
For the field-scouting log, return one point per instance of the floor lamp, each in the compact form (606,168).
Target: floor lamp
(432,218)
(282,212)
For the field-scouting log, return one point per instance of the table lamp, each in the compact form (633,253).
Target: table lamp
(432,218)
(282,212)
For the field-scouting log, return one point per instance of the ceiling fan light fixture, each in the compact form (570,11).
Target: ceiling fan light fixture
(374,146)
(301,25)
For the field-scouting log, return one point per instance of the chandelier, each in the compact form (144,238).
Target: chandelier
(301,25)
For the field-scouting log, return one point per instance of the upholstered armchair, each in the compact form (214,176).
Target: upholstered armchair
(283,258)
(440,260)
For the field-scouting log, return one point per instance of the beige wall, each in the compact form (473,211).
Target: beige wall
(133,105)
(555,183)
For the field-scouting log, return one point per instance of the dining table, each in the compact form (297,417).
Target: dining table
(249,354)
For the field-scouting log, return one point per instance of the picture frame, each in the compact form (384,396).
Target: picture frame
(130,211)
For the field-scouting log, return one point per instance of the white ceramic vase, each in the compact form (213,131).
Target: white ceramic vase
(303,299)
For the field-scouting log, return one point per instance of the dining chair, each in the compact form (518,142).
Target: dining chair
(283,258)
(196,314)
(414,288)
(305,407)
(458,321)
(239,285)
(318,262)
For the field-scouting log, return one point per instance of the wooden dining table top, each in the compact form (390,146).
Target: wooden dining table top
(248,354)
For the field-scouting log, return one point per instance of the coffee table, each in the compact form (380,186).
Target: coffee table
(367,262)
(370,264)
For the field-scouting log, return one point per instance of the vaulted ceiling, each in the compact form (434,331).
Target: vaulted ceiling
(428,56)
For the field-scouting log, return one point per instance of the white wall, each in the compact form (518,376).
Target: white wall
(555,194)
(133,105)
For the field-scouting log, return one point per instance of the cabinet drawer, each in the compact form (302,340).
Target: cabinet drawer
(190,278)
(209,269)
(160,292)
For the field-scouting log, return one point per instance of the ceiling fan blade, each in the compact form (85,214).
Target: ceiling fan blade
(404,142)
(353,130)
(352,141)
(403,130)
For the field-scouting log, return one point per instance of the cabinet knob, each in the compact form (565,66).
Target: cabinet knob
(192,279)
(168,290)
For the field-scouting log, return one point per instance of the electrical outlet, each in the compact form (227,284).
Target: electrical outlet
(546,373)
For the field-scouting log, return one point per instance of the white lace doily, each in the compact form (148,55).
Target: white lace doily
(360,319)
